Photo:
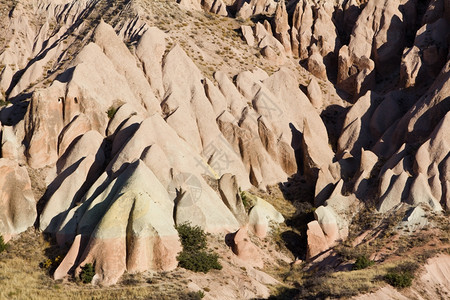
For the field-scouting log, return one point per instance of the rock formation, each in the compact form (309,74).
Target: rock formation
(18,206)
(136,120)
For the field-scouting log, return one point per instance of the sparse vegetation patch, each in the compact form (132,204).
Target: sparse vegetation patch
(3,245)
(195,255)
(402,275)
(87,273)
(363,262)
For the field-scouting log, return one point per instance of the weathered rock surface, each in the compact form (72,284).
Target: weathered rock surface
(317,242)
(229,191)
(260,217)
(133,126)
(243,247)
(432,281)
(17,203)
(332,222)
(133,215)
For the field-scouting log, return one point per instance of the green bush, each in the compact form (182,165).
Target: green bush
(111,112)
(87,273)
(362,262)
(192,238)
(399,279)
(3,245)
(200,261)
(195,256)
(245,201)
(402,275)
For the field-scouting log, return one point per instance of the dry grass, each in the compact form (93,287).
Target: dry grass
(302,284)
(390,246)
(22,278)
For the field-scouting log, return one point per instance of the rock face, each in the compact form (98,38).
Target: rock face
(229,191)
(332,221)
(317,242)
(129,215)
(136,128)
(17,203)
(245,9)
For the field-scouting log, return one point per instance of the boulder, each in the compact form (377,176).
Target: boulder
(316,65)
(336,214)
(415,219)
(247,32)
(243,247)
(315,94)
(10,146)
(69,260)
(317,154)
(368,162)
(317,242)
(410,66)
(260,216)
(328,222)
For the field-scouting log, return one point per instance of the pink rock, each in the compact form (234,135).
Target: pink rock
(69,260)
(281,26)
(317,242)
(244,248)
(17,203)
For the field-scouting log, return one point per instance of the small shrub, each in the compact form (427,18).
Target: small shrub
(195,256)
(362,262)
(402,275)
(192,238)
(111,112)
(3,245)
(196,295)
(245,201)
(87,273)
(200,261)
(399,279)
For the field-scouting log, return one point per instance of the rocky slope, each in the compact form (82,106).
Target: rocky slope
(135,116)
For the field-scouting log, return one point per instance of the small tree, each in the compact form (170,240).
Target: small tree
(195,256)
(192,238)
(87,273)
(362,262)
(399,279)
(402,275)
